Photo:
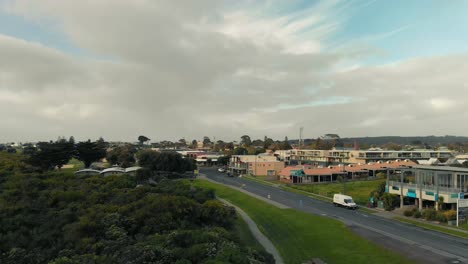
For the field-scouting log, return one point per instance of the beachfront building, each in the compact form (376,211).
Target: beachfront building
(350,156)
(425,185)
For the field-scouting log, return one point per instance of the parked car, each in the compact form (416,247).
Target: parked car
(344,201)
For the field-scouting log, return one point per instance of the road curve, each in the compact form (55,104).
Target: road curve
(419,244)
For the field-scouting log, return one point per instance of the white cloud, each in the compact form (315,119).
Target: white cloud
(189,69)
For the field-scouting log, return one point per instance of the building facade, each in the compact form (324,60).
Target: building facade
(257,165)
(345,156)
(306,174)
(426,184)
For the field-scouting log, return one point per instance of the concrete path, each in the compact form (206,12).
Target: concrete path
(261,238)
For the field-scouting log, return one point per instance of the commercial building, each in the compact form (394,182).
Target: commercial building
(426,184)
(306,174)
(202,158)
(336,156)
(257,165)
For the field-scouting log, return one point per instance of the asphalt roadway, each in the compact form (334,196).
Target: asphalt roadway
(419,244)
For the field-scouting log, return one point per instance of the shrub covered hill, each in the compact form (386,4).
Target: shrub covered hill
(57,217)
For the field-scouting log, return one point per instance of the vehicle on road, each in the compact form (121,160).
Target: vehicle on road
(222,170)
(344,201)
(229,174)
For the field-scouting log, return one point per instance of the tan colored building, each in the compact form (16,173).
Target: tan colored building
(335,156)
(257,165)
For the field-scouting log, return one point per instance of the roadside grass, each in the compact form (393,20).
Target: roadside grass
(464,226)
(359,190)
(300,236)
(291,188)
(260,179)
(432,227)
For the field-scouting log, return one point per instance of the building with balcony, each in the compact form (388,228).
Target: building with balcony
(257,165)
(425,184)
(365,156)
(349,156)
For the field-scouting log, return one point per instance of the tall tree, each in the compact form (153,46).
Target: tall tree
(267,142)
(246,141)
(285,144)
(240,151)
(122,155)
(164,161)
(194,144)
(206,141)
(143,139)
(89,152)
(48,155)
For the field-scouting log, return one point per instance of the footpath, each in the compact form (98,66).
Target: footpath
(261,238)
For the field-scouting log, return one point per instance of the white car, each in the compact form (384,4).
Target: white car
(221,170)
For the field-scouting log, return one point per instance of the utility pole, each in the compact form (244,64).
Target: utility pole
(300,137)
(344,179)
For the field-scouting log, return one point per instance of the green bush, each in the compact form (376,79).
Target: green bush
(417,214)
(450,215)
(429,214)
(408,212)
(440,216)
(390,201)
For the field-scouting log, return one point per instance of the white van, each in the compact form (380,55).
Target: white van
(344,201)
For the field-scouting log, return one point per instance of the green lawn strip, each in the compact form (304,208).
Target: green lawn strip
(299,191)
(464,226)
(432,227)
(255,179)
(359,190)
(300,236)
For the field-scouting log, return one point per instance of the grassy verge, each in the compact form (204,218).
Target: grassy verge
(259,180)
(300,191)
(464,226)
(432,227)
(300,236)
(359,190)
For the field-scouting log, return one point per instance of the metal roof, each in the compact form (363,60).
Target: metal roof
(441,168)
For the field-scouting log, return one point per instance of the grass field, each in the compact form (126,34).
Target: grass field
(433,227)
(300,236)
(77,165)
(359,190)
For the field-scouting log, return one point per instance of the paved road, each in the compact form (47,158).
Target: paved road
(417,243)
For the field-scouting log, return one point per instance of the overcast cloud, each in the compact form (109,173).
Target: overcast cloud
(186,69)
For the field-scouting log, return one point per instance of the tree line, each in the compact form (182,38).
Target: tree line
(57,217)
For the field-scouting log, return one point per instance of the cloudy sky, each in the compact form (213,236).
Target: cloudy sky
(186,69)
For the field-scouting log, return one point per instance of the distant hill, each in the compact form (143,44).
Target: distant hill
(429,140)
(426,140)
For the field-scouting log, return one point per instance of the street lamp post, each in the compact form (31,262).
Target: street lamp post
(344,179)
